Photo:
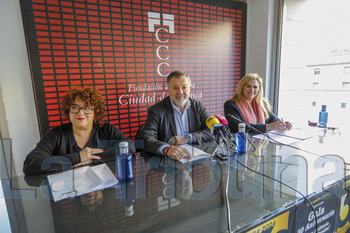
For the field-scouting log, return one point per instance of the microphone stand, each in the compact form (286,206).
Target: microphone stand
(236,121)
(233,140)
(216,149)
(226,190)
(221,141)
(228,132)
(251,143)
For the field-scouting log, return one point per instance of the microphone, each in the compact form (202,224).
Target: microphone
(215,127)
(227,131)
(235,121)
(222,120)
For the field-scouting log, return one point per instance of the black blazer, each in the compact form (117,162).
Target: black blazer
(230,107)
(59,142)
(160,124)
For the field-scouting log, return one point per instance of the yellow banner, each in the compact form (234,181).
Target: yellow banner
(274,225)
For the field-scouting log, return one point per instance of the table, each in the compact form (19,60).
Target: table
(172,197)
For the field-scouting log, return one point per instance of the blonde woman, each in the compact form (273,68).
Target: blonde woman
(250,105)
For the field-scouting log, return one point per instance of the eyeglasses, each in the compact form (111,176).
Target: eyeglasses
(76,109)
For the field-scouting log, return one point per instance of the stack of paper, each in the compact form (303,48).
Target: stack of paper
(80,181)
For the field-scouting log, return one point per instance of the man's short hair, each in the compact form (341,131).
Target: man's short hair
(178,74)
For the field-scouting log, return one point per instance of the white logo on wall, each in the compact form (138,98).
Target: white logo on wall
(156,24)
(154,19)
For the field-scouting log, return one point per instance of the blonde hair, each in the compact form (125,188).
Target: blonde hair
(260,99)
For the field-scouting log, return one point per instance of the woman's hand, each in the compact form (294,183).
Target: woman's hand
(288,125)
(279,126)
(87,155)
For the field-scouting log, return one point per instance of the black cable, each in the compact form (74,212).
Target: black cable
(274,140)
(287,185)
(282,183)
(269,177)
(291,146)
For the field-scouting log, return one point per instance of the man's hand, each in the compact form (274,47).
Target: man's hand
(177,152)
(179,140)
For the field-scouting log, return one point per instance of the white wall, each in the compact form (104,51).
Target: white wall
(256,36)
(261,42)
(17,88)
(15,83)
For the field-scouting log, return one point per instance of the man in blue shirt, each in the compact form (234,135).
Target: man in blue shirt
(176,120)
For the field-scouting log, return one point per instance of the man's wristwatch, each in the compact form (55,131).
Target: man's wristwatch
(189,138)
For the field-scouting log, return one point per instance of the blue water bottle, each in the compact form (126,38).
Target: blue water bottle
(127,196)
(323,117)
(241,139)
(124,163)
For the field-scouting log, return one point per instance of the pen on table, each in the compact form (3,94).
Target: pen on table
(284,123)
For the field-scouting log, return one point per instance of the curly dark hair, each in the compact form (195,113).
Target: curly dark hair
(91,97)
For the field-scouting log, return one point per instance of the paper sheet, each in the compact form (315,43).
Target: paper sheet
(287,137)
(293,133)
(277,138)
(80,181)
(195,152)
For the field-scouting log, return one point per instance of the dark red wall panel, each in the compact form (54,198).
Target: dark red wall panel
(126,49)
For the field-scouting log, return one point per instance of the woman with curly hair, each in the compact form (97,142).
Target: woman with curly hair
(250,105)
(77,142)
